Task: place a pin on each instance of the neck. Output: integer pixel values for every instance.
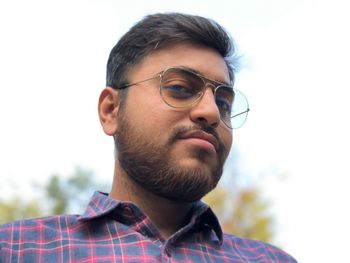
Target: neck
(168, 216)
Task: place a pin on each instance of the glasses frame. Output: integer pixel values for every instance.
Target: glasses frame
(205, 80)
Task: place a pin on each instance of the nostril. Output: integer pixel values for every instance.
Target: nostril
(204, 122)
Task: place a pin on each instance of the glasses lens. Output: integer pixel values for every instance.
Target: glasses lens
(224, 96)
(180, 88)
(239, 110)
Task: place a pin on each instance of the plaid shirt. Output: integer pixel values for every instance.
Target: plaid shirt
(115, 231)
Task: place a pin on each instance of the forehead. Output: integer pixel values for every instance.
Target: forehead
(206, 61)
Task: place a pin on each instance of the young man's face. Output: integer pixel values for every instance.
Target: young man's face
(176, 153)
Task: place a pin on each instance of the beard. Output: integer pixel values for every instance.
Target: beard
(153, 166)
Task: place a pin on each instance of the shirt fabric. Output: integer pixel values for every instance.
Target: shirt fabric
(116, 231)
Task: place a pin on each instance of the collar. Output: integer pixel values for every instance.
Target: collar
(101, 205)
(206, 216)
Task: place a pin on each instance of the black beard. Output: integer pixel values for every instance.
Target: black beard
(150, 165)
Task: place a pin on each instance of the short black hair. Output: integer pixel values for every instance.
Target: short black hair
(158, 30)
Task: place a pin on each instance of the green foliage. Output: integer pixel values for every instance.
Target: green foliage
(61, 194)
(57, 193)
(248, 216)
(242, 210)
(17, 208)
(72, 193)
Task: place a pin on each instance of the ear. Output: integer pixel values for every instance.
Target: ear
(108, 106)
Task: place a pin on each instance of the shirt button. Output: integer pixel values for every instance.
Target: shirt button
(128, 211)
(168, 252)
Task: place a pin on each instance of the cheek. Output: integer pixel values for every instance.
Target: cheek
(162, 114)
(155, 122)
(226, 137)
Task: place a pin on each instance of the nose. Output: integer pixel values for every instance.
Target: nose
(206, 111)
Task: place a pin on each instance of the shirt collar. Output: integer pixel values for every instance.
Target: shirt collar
(101, 204)
(207, 217)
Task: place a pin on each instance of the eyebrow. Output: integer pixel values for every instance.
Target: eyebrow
(202, 75)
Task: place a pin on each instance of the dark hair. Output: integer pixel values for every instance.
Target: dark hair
(156, 31)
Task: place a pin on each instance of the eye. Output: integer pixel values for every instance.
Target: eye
(224, 99)
(223, 104)
(180, 85)
(178, 91)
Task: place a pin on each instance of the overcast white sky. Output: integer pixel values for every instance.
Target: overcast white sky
(295, 74)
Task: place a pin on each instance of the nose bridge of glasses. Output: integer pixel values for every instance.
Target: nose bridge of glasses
(206, 83)
(211, 89)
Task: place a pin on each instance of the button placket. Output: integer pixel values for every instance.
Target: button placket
(168, 251)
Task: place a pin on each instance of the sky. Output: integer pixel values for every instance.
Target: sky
(295, 73)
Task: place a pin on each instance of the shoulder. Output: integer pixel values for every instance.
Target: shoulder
(250, 249)
(33, 240)
(35, 230)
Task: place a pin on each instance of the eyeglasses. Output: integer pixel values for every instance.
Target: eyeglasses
(181, 87)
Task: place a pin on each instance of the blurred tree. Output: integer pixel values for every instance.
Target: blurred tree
(72, 193)
(240, 204)
(248, 212)
(57, 194)
(60, 195)
(16, 208)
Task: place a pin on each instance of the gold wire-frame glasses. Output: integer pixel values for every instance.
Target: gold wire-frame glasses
(181, 87)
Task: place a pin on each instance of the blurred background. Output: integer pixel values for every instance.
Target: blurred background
(287, 177)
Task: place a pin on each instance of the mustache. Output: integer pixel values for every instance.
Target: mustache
(179, 131)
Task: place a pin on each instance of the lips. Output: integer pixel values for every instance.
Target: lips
(202, 136)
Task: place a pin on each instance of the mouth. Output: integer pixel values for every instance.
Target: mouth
(201, 139)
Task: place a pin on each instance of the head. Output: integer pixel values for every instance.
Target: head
(157, 31)
(176, 153)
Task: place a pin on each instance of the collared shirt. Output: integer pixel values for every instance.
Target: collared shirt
(116, 231)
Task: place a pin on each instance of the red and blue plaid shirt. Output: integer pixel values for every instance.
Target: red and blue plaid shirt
(115, 231)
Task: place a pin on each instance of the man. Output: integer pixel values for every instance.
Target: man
(170, 106)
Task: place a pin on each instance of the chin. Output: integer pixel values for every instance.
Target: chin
(201, 161)
(190, 183)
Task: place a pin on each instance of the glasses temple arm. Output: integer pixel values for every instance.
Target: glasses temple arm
(240, 113)
(135, 83)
